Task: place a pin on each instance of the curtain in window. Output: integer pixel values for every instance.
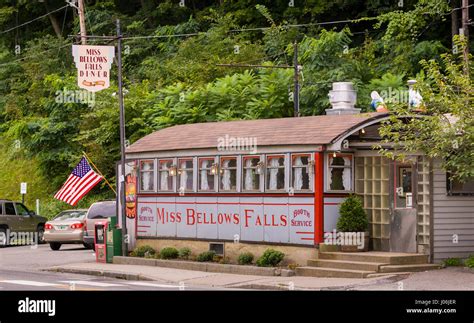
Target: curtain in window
(346, 174)
(249, 175)
(146, 176)
(273, 174)
(204, 183)
(226, 176)
(298, 174)
(164, 177)
(184, 176)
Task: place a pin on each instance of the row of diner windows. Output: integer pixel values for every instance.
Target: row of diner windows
(248, 173)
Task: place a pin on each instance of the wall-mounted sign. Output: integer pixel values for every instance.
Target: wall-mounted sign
(282, 219)
(93, 65)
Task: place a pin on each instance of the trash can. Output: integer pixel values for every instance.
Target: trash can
(114, 240)
(100, 232)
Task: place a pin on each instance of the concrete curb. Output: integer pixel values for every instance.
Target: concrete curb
(204, 266)
(102, 273)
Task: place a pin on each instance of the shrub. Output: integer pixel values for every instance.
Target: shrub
(352, 216)
(245, 258)
(184, 253)
(206, 256)
(169, 253)
(270, 258)
(143, 251)
(450, 262)
(218, 258)
(469, 261)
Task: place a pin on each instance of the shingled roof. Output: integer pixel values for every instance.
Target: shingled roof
(315, 130)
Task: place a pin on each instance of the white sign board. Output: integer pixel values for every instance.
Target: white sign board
(93, 65)
(263, 219)
(23, 188)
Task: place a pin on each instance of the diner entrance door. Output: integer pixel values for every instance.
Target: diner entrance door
(403, 210)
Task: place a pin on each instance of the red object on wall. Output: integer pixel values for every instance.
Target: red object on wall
(318, 197)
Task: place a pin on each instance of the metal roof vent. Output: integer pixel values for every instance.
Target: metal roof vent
(343, 98)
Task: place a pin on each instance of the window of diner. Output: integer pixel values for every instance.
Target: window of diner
(185, 174)
(275, 173)
(339, 172)
(302, 172)
(253, 168)
(228, 174)
(165, 177)
(147, 172)
(207, 174)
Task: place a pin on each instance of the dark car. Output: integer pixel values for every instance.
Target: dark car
(15, 218)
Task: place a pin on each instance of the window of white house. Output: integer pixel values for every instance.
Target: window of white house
(206, 176)
(339, 172)
(165, 180)
(147, 169)
(456, 187)
(228, 174)
(185, 174)
(302, 175)
(251, 174)
(275, 173)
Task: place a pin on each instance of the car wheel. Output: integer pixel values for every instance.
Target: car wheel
(40, 234)
(3, 237)
(54, 245)
(88, 246)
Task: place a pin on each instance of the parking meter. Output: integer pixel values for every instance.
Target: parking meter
(100, 238)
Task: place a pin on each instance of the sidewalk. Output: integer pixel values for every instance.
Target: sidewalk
(221, 280)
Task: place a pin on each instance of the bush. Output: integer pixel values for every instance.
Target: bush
(184, 253)
(143, 251)
(245, 258)
(352, 216)
(450, 262)
(469, 261)
(206, 256)
(169, 253)
(270, 258)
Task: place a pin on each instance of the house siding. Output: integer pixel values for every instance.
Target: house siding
(452, 215)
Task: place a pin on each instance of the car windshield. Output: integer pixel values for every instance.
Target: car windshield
(70, 215)
(106, 210)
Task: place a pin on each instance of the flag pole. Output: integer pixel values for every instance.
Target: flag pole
(98, 171)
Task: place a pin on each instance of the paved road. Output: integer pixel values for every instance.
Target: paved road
(21, 269)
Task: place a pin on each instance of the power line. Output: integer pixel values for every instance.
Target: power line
(33, 20)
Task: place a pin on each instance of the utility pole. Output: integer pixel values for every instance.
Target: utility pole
(465, 29)
(296, 92)
(82, 21)
(121, 179)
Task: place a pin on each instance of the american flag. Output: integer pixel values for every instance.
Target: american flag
(79, 183)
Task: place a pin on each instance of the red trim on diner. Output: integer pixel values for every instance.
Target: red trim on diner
(318, 197)
(257, 194)
(228, 203)
(306, 238)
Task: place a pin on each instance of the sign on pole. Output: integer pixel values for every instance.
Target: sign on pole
(93, 65)
(23, 188)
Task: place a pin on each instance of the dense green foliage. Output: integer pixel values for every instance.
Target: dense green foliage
(143, 251)
(169, 253)
(245, 258)
(206, 256)
(352, 215)
(174, 80)
(270, 258)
